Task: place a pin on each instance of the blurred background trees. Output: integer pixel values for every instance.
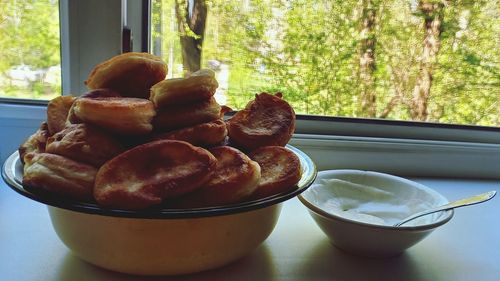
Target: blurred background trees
(424, 60)
(29, 49)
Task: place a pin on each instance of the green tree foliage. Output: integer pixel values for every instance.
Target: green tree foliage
(236, 37)
(467, 80)
(309, 67)
(309, 50)
(29, 36)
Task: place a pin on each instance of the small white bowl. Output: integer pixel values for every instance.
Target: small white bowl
(356, 210)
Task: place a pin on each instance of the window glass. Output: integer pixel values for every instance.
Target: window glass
(30, 64)
(432, 61)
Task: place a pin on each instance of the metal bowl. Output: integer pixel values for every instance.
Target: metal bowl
(161, 241)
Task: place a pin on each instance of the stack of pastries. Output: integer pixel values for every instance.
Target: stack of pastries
(137, 140)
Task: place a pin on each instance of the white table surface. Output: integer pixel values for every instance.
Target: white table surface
(466, 248)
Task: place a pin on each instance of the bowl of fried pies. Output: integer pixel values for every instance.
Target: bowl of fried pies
(151, 176)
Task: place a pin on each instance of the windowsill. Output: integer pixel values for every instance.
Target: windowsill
(405, 157)
(453, 252)
(466, 248)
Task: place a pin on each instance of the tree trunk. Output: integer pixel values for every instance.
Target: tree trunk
(367, 59)
(433, 15)
(191, 21)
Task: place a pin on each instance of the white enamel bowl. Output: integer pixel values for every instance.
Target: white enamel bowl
(359, 236)
(161, 241)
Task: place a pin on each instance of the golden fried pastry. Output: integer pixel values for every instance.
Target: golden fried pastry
(127, 116)
(201, 85)
(71, 118)
(147, 174)
(175, 117)
(97, 93)
(267, 120)
(224, 109)
(35, 143)
(101, 93)
(57, 113)
(130, 74)
(204, 134)
(84, 143)
(280, 170)
(235, 178)
(59, 175)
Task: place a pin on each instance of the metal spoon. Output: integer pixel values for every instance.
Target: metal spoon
(452, 205)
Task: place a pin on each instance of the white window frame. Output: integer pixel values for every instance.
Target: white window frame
(91, 31)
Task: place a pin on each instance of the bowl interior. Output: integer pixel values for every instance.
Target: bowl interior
(12, 173)
(373, 199)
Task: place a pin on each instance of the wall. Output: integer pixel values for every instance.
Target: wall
(16, 124)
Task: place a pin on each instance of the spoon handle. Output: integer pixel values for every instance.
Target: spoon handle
(452, 205)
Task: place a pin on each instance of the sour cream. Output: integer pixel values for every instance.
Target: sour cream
(381, 205)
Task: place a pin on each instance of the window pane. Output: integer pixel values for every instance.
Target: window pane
(433, 61)
(30, 65)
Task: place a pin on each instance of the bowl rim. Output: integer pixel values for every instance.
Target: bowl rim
(422, 227)
(12, 175)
